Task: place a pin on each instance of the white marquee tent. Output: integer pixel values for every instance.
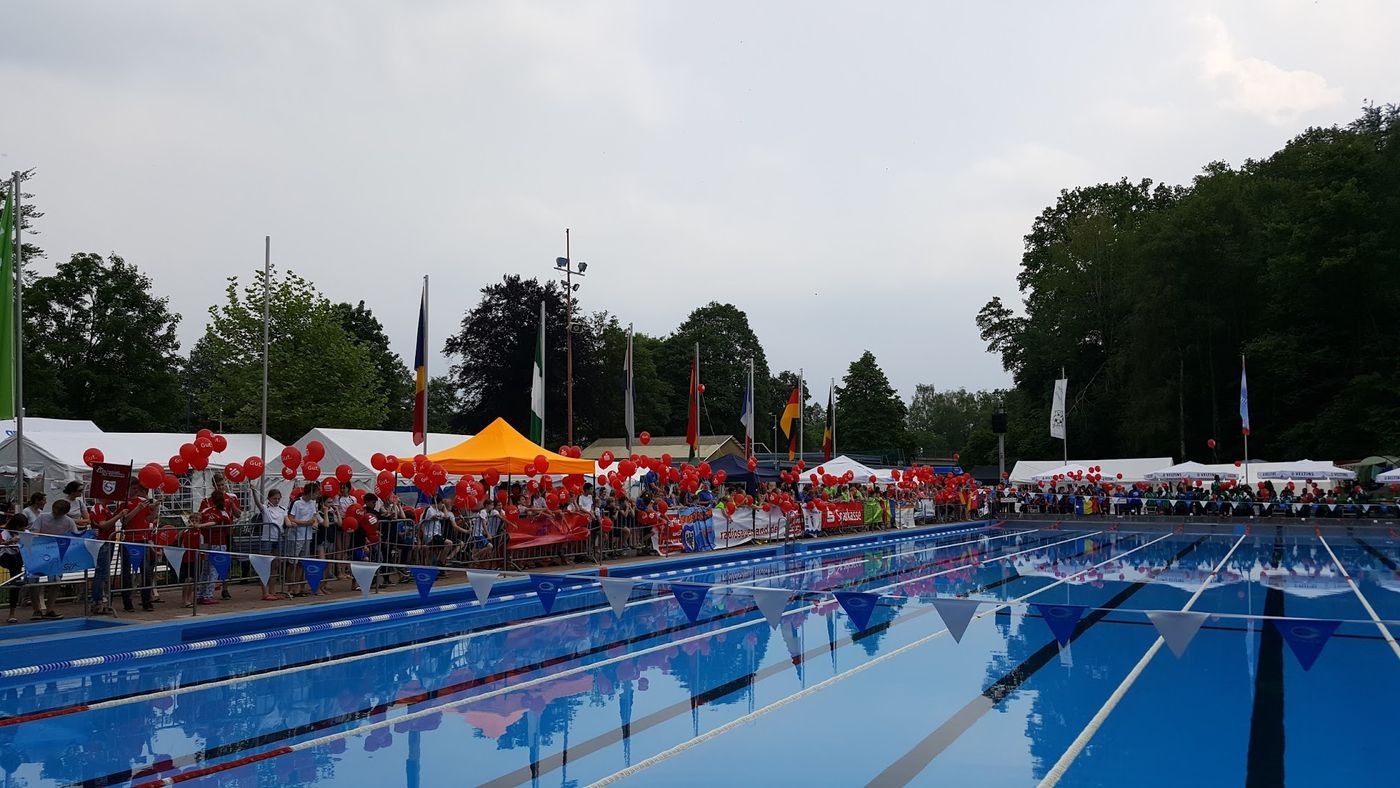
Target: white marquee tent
(1190, 471)
(34, 424)
(355, 447)
(1306, 470)
(837, 466)
(1134, 469)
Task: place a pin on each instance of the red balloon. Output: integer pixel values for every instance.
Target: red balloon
(645, 437)
(220, 442)
(204, 433)
(291, 456)
(311, 470)
(188, 452)
(200, 462)
(315, 450)
(406, 469)
(204, 445)
(234, 472)
(666, 459)
(343, 472)
(376, 461)
(1210, 443)
(179, 465)
(605, 460)
(1237, 463)
(253, 467)
(700, 388)
(151, 476)
(1120, 476)
(753, 464)
(289, 472)
(541, 463)
(386, 478)
(169, 484)
(92, 456)
(349, 522)
(391, 463)
(329, 487)
(720, 476)
(661, 507)
(605, 524)
(552, 500)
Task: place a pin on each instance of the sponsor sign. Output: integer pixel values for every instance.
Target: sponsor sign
(109, 481)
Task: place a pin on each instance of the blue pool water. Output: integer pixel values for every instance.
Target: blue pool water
(507, 695)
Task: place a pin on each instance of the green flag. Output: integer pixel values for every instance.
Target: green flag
(7, 309)
(537, 388)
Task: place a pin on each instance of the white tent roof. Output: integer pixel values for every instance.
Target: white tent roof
(1188, 471)
(1305, 470)
(1389, 477)
(1134, 469)
(355, 447)
(1066, 471)
(837, 466)
(65, 449)
(33, 424)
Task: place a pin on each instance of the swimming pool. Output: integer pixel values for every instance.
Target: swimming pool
(510, 695)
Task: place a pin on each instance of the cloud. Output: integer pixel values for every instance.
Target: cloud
(1258, 87)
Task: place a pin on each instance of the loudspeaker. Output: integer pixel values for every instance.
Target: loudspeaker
(999, 423)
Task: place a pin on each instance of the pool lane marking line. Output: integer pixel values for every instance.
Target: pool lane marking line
(753, 715)
(1370, 611)
(440, 707)
(174, 691)
(380, 618)
(1052, 777)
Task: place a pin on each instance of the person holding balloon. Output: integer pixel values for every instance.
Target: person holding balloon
(216, 514)
(137, 528)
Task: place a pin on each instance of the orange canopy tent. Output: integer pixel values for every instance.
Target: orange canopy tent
(501, 448)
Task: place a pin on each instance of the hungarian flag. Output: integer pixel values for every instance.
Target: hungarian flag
(420, 373)
(692, 424)
(537, 388)
(792, 414)
(829, 434)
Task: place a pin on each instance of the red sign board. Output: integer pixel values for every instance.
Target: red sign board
(109, 481)
(843, 514)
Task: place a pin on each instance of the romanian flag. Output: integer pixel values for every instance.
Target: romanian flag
(420, 373)
(692, 424)
(791, 414)
(829, 434)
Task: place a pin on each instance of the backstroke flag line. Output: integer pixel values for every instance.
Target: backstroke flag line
(420, 373)
(746, 413)
(629, 417)
(790, 415)
(537, 388)
(7, 309)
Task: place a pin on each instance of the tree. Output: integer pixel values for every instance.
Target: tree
(654, 401)
(726, 342)
(100, 345)
(495, 352)
(870, 415)
(943, 423)
(395, 382)
(443, 405)
(319, 376)
(27, 214)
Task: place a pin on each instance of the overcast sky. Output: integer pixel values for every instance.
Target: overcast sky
(853, 175)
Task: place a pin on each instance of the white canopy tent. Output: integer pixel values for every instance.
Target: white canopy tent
(837, 466)
(1389, 477)
(1134, 469)
(1306, 470)
(34, 424)
(1190, 471)
(1062, 472)
(356, 447)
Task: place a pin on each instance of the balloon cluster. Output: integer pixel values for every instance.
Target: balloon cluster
(193, 455)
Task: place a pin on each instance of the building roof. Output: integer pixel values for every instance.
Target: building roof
(711, 446)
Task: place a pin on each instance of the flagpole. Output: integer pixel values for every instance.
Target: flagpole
(629, 414)
(267, 300)
(1065, 440)
(801, 414)
(425, 364)
(1245, 430)
(748, 428)
(831, 405)
(19, 342)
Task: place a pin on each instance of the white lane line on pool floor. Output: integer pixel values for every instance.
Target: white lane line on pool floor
(456, 703)
(1057, 771)
(1370, 611)
(753, 715)
(174, 691)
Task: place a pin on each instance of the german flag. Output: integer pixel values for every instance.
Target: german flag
(791, 414)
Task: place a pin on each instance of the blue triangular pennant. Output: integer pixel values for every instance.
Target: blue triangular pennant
(691, 597)
(40, 555)
(221, 562)
(859, 605)
(76, 559)
(63, 547)
(1061, 619)
(136, 556)
(1306, 636)
(424, 579)
(546, 588)
(315, 569)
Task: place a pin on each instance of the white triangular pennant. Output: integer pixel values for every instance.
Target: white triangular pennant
(956, 614)
(262, 564)
(771, 602)
(363, 573)
(94, 546)
(176, 557)
(481, 584)
(617, 590)
(1177, 627)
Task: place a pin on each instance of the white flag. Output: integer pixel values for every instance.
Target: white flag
(1057, 410)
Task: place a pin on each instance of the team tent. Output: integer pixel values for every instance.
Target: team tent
(736, 471)
(1191, 471)
(37, 424)
(1389, 477)
(356, 447)
(837, 466)
(1307, 470)
(1134, 469)
(501, 448)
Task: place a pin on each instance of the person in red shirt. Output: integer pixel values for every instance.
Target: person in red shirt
(216, 516)
(138, 528)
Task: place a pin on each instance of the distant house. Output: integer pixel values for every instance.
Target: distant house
(711, 447)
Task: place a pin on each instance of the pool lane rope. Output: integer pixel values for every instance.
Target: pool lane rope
(1370, 611)
(256, 637)
(1052, 777)
(455, 703)
(838, 678)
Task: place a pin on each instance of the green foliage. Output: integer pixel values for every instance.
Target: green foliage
(869, 414)
(99, 345)
(654, 402)
(942, 423)
(443, 405)
(319, 374)
(394, 380)
(727, 342)
(1148, 297)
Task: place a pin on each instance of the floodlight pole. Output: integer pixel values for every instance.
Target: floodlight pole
(566, 263)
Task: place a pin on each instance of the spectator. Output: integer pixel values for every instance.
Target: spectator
(37, 503)
(138, 528)
(56, 522)
(104, 526)
(274, 523)
(10, 558)
(218, 522)
(78, 507)
(301, 522)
